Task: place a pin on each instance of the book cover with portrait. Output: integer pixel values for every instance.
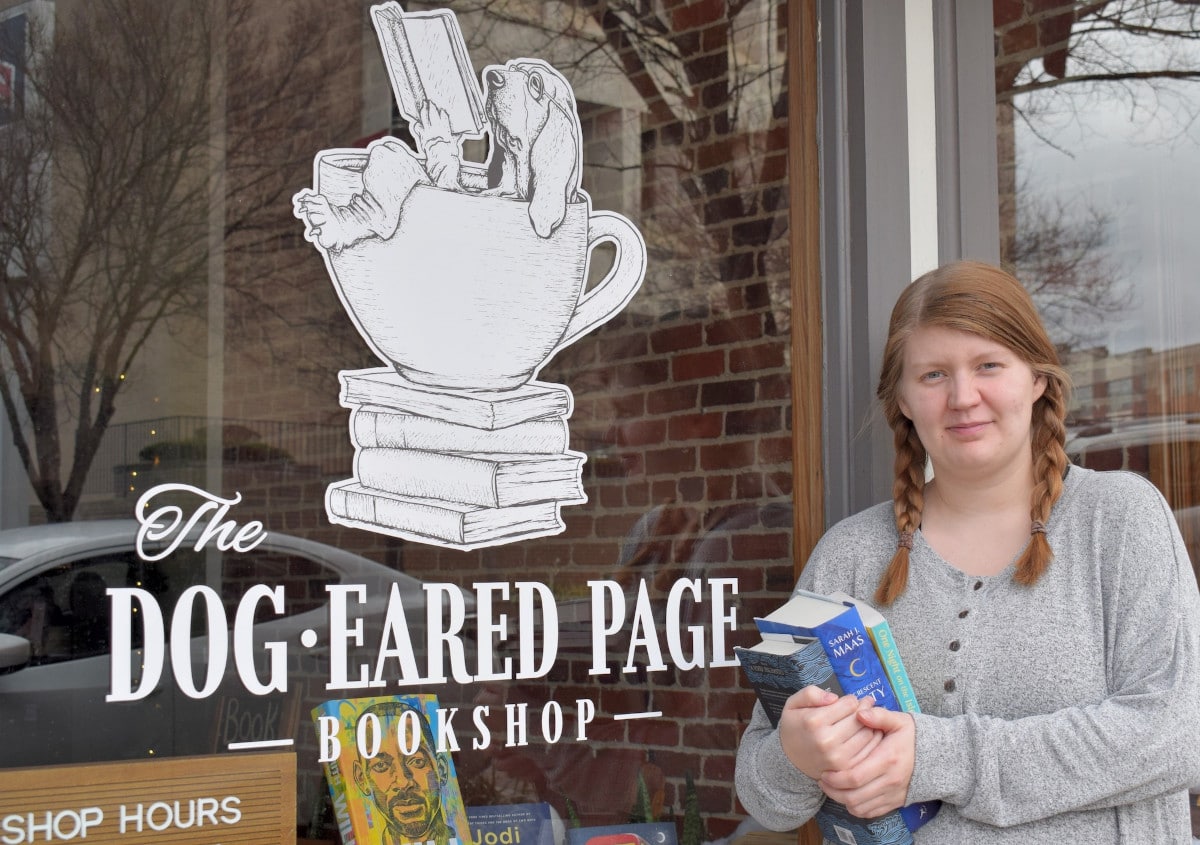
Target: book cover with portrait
(402, 791)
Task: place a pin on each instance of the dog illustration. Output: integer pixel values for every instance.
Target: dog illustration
(533, 121)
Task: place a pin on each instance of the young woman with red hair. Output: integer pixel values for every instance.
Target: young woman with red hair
(1047, 614)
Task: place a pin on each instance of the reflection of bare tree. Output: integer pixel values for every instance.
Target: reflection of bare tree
(1064, 53)
(685, 127)
(110, 176)
(1061, 253)
(1055, 59)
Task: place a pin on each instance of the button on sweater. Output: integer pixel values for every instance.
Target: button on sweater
(1068, 711)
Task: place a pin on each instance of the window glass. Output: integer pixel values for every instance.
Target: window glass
(1099, 156)
(170, 332)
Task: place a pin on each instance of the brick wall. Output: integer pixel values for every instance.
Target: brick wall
(682, 402)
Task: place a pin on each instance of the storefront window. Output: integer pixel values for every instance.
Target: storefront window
(1098, 151)
(172, 340)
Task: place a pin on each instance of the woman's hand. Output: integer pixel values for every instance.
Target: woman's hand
(878, 783)
(820, 732)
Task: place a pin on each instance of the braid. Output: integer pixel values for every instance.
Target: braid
(908, 500)
(1049, 464)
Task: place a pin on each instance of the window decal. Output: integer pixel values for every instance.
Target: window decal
(465, 279)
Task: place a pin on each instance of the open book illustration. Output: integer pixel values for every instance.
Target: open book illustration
(464, 278)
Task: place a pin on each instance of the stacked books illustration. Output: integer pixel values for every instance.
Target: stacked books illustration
(453, 468)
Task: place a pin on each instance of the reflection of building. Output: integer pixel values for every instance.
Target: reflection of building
(1134, 384)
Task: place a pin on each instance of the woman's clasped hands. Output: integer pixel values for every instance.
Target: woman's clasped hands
(861, 755)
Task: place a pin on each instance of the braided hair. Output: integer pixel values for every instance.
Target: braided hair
(986, 301)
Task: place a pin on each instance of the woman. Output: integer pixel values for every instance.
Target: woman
(1047, 614)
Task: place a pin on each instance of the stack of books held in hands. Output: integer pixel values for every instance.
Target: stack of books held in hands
(454, 468)
(845, 646)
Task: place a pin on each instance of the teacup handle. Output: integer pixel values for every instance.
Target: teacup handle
(605, 300)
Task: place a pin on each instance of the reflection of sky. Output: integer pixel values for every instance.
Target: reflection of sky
(1144, 169)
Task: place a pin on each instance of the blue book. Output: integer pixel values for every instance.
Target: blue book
(512, 824)
(847, 640)
(889, 654)
(777, 670)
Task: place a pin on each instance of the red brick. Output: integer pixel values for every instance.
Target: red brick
(691, 489)
(779, 483)
(715, 38)
(727, 455)
(764, 356)
(696, 14)
(698, 365)
(641, 373)
(1005, 12)
(717, 154)
(641, 432)
(775, 450)
(762, 547)
(1019, 39)
(775, 386)
(718, 735)
(775, 169)
(718, 767)
(716, 799)
(734, 330)
(752, 421)
(727, 393)
(671, 461)
(750, 581)
(662, 491)
(672, 399)
(749, 485)
(703, 426)
(720, 487)
(676, 338)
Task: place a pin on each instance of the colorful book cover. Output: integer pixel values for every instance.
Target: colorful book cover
(847, 641)
(837, 825)
(889, 654)
(845, 638)
(778, 670)
(406, 792)
(512, 824)
(645, 833)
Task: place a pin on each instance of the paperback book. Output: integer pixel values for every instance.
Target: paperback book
(513, 824)
(778, 670)
(848, 646)
(639, 833)
(370, 808)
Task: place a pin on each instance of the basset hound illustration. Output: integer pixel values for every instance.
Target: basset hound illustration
(534, 124)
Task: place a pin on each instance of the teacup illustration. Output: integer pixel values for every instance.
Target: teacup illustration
(465, 294)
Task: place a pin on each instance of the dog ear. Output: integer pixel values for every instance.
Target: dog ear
(554, 169)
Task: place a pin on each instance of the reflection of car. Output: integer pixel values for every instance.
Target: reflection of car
(55, 660)
(1164, 449)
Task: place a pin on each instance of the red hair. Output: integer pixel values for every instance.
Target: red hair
(983, 300)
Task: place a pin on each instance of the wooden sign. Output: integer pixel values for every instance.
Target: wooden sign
(226, 798)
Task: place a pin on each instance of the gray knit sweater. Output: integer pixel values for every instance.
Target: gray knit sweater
(1066, 712)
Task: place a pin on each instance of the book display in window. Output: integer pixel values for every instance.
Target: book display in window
(407, 791)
